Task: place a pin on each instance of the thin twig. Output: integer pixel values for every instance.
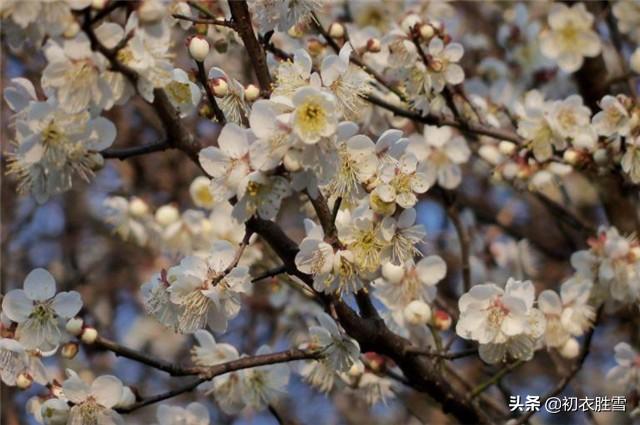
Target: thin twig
(445, 355)
(495, 378)
(208, 21)
(269, 273)
(463, 238)
(124, 153)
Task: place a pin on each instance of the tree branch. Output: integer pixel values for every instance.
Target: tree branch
(124, 153)
(242, 21)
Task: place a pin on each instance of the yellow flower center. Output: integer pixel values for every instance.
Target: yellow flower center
(311, 116)
(179, 91)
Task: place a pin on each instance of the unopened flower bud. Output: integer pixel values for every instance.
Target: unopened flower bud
(251, 93)
(356, 370)
(198, 48)
(570, 349)
(427, 31)
(634, 61)
(69, 350)
(374, 45)
(24, 380)
(95, 161)
(392, 272)
(315, 47)
(292, 160)
(417, 313)
(74, 326)
(570, 156)
(600, 156)
(219, 86)
(375, 361)
(72, 29)
(137, 207)
(89, 335)
(98, 4)
(336, 30)
(167, 214)
(635, 252)
(296, 31)
(441, 320)
(507, 148)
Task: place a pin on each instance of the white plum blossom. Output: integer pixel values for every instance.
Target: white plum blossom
(263, 194)
(128, 218)
(293, 74)
(442, 154)
(627, 372)
(314, 115)
(52, 146)
(93, 403)
(401, 182)
(205, 291)
(613, 118)
(15, 360)
(357, 165)
(570, 37)
(76, 75)
(630, 161)
(228, 165)
(346, 81)
(503, 321)
(627, 14)
(273, 135)
(402, 234)
(443, 65)
(225, 388)
(315, 255)
(339, 351)
(262, 385)
(38, 310)
(193, 414)
(402, 284)
(568, 314)
(183, 94)
(612, 264)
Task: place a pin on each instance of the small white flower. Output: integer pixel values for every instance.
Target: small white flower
(292, 75)
(363, 236)
(273, 135)
(346, 81)
(194, 414)
(568, 117)
(183, 94)
(226, 388)
(200, 191)
(314, 116)
(37, 310)
(402, 235)
(357, 165)
(570, 37)
(55, 411)
(93, 403)
(627, 372)
(262, 194)
(400, 285)
(53, 146)
(16, 361)
(315, 255)
(204, 292)
(630, 161)
(262, 385)
(228, 164)
(126, 221)
(613, 119)
(339, 350)
(627, 14)
(443, 68)
(442, 154)
(401, 182)
(503, 321)
(568, 314)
